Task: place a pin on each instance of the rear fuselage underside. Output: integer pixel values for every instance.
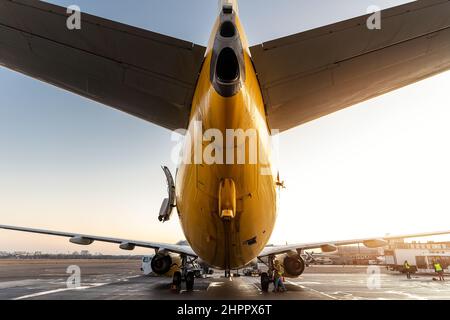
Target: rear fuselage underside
(227, 242)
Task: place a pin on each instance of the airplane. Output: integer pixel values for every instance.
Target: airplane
(227, 211)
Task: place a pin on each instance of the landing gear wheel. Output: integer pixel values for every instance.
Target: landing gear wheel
(176, 283)
(265, 281)
(190, 281)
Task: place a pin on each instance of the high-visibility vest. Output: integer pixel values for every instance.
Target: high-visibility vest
(407, 266)
(437, 267)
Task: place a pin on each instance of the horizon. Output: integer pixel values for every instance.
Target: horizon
(74, 165)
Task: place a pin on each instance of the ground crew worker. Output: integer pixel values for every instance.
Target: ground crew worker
(407, 269)
(278, 277)
(439, 270)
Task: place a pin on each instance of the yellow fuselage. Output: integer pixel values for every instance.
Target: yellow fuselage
(234, 242)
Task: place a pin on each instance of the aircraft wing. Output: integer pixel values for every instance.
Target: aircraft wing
(124, 244)
(331, 246)
(143, 73)
(314, 73)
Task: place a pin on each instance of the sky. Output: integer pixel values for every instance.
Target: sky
(70, 164)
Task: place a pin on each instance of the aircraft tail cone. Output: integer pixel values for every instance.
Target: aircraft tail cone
(229, 3)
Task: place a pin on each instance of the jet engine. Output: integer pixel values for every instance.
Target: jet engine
(293, 263)
(165, 263)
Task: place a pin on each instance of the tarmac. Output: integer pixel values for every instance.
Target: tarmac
(122, 280)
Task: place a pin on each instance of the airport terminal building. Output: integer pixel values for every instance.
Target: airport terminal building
(420, 255)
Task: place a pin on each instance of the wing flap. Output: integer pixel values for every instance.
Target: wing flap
(314, 73)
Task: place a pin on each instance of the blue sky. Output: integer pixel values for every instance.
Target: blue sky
(71, 164)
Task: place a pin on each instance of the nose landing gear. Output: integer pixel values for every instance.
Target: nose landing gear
(176, 281)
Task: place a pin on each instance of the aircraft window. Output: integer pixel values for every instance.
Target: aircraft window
(227, 68)
(227, 30)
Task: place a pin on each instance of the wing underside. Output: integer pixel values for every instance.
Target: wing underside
(124, 244)
(143, 73)
(317, 72)
(331, 246)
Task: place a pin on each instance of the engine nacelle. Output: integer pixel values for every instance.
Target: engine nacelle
(293, 263)
(165, 264)
(161, 263)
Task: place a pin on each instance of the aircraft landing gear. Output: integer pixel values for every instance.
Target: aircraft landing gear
(190, 278)
(265, 281)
